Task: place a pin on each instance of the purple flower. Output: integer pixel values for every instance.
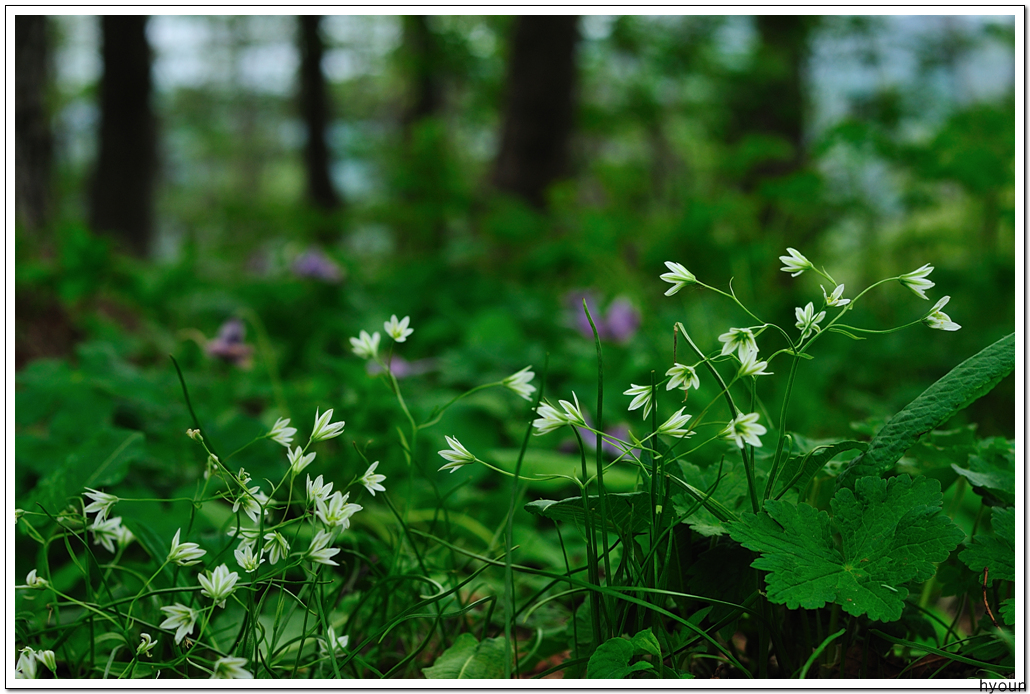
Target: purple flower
(402, 368)
(622, 320)
(619, 323)
(315, 264)
(229, 345)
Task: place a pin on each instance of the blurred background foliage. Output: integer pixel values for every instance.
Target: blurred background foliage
(311, 176)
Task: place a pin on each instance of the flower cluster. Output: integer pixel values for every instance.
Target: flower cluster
(107, 532)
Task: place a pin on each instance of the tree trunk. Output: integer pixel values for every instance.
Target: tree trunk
(33, 144)
(540, 110)
(421, 60)
(314, 106)
(123, 186)
(770, 98)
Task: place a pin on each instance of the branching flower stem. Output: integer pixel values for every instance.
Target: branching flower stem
(733, 413)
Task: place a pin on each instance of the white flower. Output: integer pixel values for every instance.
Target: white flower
(744, 429)
(320, 551)
(317, 491)
(750, 366)
(122, 535)
(335, 643)
(298, 461)
(252, 502)
(282, 433)
(740, 339)
(398, 330)
(371, 481)
(35, 582)
(795, 263)
(245, 557)
(678, 276)
(323, 430)
(808, 319)
(194, 434)
(680, 375)
(48, 658)
(551, 419)
(220, 585)
(938, 319)
(109, 532)
(186, 553)
(457, 456)
(25, 668)
(229, 668)
(674, 426)
(336, 512)
(180, 618)
(101, 505)
(834, 299)
(146, 644)
(641, 397)
(917, 282)
(276, 546)
(365, 346)
(518, 382)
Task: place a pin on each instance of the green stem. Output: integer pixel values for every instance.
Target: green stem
(598, 448)
(782, 434)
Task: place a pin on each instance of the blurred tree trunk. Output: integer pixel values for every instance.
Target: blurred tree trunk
(421, 62)
(33, 144)
(770, 99)
(314, 106)
(123, 185)
(540, 110)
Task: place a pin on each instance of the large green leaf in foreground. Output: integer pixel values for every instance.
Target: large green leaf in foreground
(967, 382)
(892, 532)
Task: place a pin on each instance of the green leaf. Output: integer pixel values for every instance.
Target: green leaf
(1008, 611)
(798, 471)
(101, 461)
(647, 642)
(998, 551)
(970, 380)
(467, 659)
(892, 532)
(729, 496)
(611, 660)
(992, 470)
(626, 513)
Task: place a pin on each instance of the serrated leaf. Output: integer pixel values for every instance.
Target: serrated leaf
(892, 532)
(997, 551)
(992, 469)
(1008, 611)
(970, 380)
(467, 658)
(626, 513)
(611, 660)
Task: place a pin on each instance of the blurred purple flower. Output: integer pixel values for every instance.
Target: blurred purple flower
(402, 368)
(315, 264)
(229, 345)
(622, 320)
(618, 324)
